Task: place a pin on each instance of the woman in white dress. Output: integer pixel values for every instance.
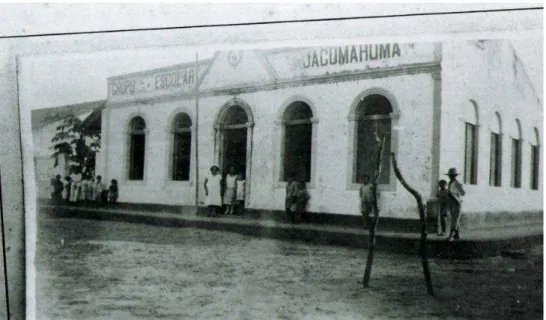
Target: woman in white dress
(231, 187)
(213, 187)
(75, 188)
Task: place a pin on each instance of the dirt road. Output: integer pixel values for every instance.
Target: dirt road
(114, 270)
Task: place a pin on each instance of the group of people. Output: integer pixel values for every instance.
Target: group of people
(449, 196)
(80, 188)
(226, 193)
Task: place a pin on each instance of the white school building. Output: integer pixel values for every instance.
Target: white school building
(314, 112)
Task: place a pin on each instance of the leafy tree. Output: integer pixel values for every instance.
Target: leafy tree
(78, 142)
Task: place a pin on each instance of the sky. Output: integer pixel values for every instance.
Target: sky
(83, 77)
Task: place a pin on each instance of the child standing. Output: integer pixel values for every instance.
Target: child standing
(302, 198)
(113, 192)
(442, 196)
(58, 188)
(83, 189)
(291, 189)
(240, 198)
(90, 194)
(68, 186)
(231, 186)
(100, 193)
(366, 197)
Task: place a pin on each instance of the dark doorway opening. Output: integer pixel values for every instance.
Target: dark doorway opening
(234, 150)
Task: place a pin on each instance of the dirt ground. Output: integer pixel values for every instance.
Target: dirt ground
(115, 270)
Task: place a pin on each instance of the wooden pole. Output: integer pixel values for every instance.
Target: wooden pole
(422, 217)
(196, 132)
(375, 219)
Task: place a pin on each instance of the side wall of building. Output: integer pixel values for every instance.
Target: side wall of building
(480, 80)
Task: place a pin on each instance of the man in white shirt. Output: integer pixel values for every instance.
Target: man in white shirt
(455, 193)
(99, 190)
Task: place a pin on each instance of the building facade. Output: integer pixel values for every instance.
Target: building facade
(314, 113)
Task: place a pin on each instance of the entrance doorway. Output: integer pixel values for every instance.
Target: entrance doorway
(234, 136)
(234, 155)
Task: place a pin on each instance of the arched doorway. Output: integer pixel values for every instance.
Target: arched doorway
(234, 136)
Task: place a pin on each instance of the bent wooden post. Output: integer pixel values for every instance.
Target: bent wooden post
(422, 217)
(375, 219)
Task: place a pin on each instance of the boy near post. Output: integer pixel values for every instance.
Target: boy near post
(442, 196)
(366, 198)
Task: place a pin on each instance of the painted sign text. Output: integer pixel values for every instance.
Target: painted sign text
(320, 57)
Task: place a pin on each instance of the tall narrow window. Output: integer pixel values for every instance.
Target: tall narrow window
(516, 163)
(374, 121)
(516, 155)
(470, 172)
(137, 148)
(495, 163)
(471, 118)
(298, 141)
(181, 147)
(535, 160)
(495, 156)
(534, 167)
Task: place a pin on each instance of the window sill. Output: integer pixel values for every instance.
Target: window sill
(380, 187)
(308, 185)
(134, 182)
(179, 183)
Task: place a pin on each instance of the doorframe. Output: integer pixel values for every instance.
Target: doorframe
(219, 136)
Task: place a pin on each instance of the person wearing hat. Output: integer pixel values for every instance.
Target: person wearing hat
(455, 193)
(213, 191)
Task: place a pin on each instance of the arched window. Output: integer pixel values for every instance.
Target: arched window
(535, 159)
(495, 156)
(298, 141)
(373, 114)
(181, 130)
(516, 154)
(471, 143)
(137, 148)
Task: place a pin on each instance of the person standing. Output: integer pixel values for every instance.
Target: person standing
(68, 188)
(84, 187)
(90, 190)
(213, 191)
(113, 192)
(76, 178)
(58, 188)
(455, 193)
(240, 198)
(443, 197)
(230, 183)
(366, 197)
(291, 189)
(302, 198)
(100, 189)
